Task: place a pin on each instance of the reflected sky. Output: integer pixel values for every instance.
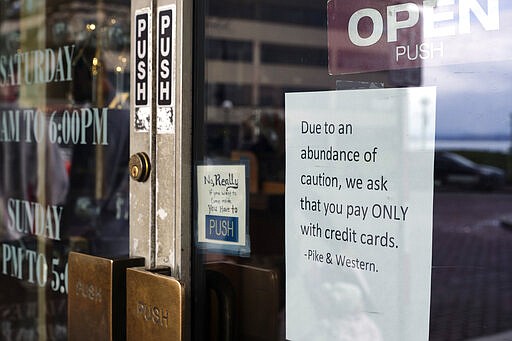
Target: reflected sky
(473, 99)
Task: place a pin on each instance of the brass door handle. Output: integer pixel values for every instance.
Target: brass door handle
(97, 297)
(225, 293)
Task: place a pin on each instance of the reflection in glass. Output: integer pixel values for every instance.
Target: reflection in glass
(469, 65)
(64, 138)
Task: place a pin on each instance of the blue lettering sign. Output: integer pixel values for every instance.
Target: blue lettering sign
(222, 228)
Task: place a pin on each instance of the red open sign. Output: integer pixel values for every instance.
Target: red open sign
(374, 35)
(364, 35)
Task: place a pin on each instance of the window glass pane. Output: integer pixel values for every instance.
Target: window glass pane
(279, 54)
(64, 142)
(461, 48)
(299, 13)
(229, 50)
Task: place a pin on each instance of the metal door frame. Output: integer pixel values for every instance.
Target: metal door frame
(161, 207)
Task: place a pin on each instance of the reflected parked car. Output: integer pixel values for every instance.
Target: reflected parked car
(451, 169)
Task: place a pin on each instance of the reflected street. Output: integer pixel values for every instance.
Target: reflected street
(471, 277)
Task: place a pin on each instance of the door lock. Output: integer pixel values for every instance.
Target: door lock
(140, 167)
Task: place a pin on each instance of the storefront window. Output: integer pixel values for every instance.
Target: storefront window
(64, 150)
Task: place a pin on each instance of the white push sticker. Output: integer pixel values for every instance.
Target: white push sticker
(359, 193)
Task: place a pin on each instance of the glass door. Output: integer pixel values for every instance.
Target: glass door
(64, 113)
(250, 55)
(206, 91)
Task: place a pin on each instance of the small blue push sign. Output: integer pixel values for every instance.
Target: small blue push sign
(222, 198)
(222, 228)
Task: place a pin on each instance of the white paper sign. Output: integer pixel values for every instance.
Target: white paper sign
(359, 191)
(222, 204)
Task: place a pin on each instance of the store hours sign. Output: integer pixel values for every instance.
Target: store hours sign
(359, 191)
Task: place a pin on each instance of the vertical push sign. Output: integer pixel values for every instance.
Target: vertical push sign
(142, 69)
(165, 68)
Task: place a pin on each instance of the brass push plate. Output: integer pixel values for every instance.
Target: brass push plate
(154, 306)
(96, 300)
